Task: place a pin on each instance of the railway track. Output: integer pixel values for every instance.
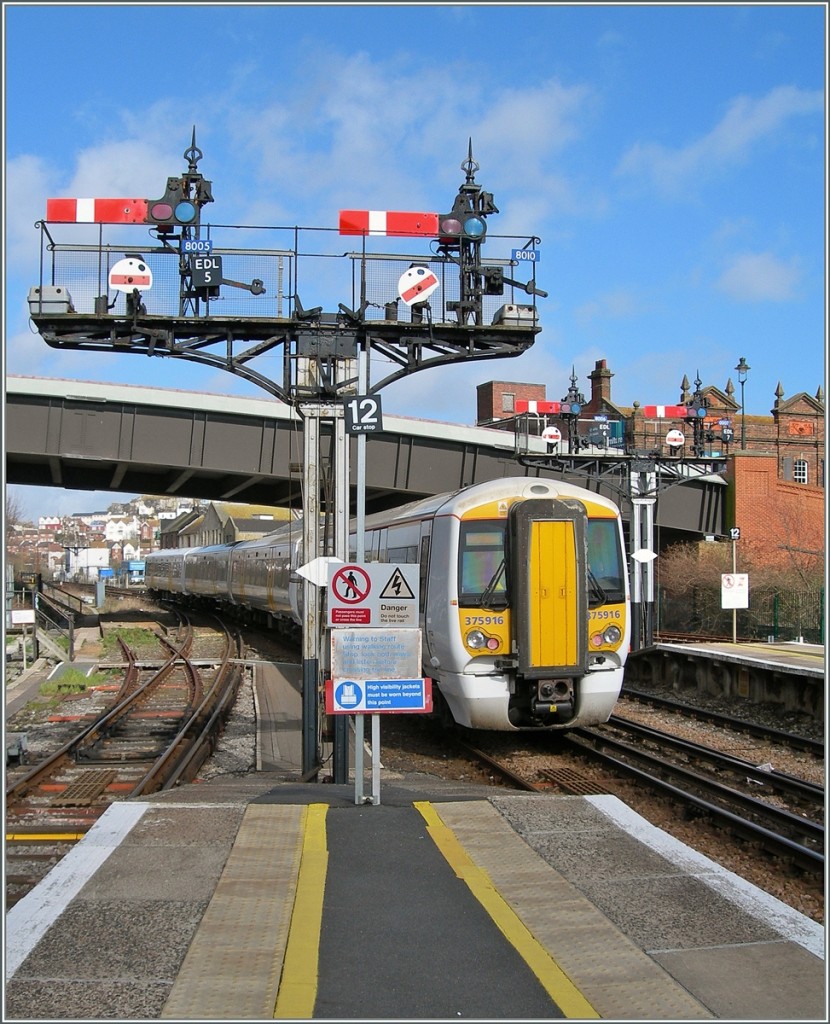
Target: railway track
(778, 831)
(660, 761)
(156, 733)
(732, 722)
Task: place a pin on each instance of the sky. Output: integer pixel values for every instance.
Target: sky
(669, 157)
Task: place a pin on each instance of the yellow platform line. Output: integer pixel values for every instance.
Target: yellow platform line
(552, 978)
(298, 984)
(44, 837)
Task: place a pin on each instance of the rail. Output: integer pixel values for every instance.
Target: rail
(805, 857)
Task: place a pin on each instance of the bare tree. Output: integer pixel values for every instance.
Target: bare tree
(13, 515)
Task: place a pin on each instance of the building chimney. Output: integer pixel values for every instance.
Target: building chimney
(600, 378)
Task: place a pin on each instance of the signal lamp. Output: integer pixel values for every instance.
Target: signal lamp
(461, 222)
(696, 411)
(173, 209)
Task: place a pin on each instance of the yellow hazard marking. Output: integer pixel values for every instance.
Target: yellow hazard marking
(44, 837)
(300, 972)
(552, 978)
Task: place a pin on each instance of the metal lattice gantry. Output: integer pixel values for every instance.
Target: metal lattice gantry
(192, 301)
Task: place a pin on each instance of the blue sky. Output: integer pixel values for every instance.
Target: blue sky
(671, 158)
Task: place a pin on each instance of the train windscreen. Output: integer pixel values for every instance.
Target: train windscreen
(605, 562)
(482, 575)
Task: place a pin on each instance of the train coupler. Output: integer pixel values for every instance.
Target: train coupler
(563, 710)
(554, 697)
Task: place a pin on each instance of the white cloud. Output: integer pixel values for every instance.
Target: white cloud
(746, 122)
(759, 277)
(617, 304)
(28, 181)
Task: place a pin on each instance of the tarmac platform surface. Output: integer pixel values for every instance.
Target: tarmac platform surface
(259, 897)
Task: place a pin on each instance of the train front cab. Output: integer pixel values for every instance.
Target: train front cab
(542, 610)
(568, 630)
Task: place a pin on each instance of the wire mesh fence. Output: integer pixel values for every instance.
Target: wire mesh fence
(776, 614)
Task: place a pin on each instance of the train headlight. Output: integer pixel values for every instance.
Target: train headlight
(612, 634)
(476, 640)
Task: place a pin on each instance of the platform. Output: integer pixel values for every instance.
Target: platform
(250, 900)
(789, 676)
(257, 896)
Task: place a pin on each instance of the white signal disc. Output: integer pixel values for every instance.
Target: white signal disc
(416, 284)
(130, 273)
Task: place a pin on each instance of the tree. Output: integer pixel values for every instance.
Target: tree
(785, 594)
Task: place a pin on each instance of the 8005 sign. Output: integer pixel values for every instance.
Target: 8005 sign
(191, 245)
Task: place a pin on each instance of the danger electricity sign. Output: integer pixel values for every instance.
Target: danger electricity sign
(372, 594)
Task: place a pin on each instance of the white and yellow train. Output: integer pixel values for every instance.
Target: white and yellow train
(524, 599)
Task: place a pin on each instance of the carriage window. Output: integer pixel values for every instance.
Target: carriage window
(480, 568)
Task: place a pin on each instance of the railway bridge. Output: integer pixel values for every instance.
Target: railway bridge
(81, 435)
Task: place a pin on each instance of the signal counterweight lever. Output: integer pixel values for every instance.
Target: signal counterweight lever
(256, 287)
(530, 287)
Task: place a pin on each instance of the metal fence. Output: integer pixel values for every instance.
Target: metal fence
(305, 264)
(772, 614)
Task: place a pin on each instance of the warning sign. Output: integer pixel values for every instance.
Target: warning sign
(373, 594)
(397, 588)
(734, 590)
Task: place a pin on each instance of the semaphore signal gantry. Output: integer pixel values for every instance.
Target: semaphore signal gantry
(184, 295)
(405, 311)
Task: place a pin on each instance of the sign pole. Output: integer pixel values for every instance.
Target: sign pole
(637, 569)
(734, 610)
(340, 754)
(375, 759)
(360, 549)
(311, 618)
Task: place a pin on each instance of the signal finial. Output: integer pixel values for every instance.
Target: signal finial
(469, 165)
(193, 155)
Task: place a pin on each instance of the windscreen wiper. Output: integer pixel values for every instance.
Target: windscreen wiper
(490, 589)
(599, 591)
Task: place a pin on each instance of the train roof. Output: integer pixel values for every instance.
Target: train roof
(466, 498)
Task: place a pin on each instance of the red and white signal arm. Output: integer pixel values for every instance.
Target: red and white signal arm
(130, 273)
(388, 222)
(675, 438)
(665, 412)
(553, 435)
(417, 284)
(97, 211)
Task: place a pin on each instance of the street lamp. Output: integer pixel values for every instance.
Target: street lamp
(743, 369)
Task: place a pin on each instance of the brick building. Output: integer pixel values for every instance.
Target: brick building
(781, 521)
(775, 464)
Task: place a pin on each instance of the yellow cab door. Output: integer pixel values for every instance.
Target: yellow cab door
(548, 586)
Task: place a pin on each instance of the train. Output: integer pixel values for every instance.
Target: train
(524, 603)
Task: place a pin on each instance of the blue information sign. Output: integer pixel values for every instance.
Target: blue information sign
(378, 696)
(526, 256)
(192, 245)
